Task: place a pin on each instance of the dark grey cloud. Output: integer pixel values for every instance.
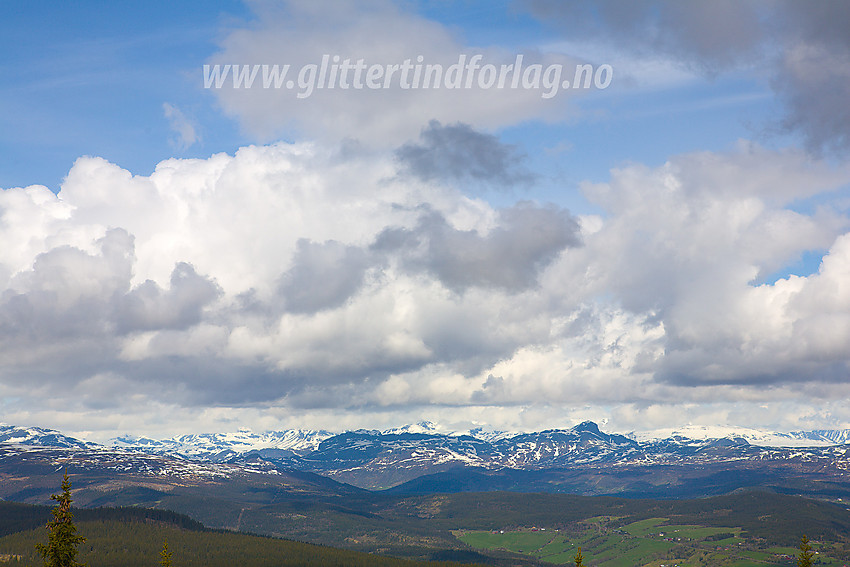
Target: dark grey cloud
(804, 46)
(55, 319)
(210, 380)
(494, 388)
(72, 293)
(711, 36)
(699, 366)
(149, 307)
(510, 256)
(68, 292)
(813, 76)
(458, 153)
(63, 320)
(824, 21)
(814, 82)
(323, 275)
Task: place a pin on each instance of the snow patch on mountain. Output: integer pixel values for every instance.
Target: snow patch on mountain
(700, 434)
(491, 436)
(38, 437)
(423, 427)
(837, 436)
(219, 446)
(431, 428)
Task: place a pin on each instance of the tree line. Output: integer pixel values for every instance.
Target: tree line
(142, 539)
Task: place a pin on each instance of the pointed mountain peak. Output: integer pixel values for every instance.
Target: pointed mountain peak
(588, 426)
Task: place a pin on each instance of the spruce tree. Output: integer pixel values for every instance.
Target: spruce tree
(166, 555)
(579, 559)
(806, 553)
(62, 538)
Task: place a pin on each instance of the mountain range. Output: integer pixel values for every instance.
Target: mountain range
(545, 460)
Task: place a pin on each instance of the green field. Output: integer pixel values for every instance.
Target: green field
(607, 543)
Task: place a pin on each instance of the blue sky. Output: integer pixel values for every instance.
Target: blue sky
(670, 249)
(95, 77)
(91, 78)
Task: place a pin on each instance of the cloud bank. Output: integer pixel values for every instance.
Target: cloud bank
(312, 278)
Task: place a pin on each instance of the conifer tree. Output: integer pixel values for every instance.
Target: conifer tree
(579, 559)
(62, 538)
(166, 555)
(806, 553)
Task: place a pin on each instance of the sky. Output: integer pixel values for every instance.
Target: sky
(662, 240)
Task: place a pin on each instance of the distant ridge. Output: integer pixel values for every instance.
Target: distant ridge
(221, 446)
(38, 437)
(375, 459)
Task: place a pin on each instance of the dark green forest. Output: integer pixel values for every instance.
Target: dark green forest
(128, 537)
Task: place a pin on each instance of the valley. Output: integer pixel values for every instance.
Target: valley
(611, 499)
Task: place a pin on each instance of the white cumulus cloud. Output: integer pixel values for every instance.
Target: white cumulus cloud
(320, 277)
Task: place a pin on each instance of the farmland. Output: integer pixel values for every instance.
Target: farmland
(607, 542)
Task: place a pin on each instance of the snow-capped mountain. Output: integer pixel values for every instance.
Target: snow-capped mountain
(582, 444)
(38, 437)
(383, 458)
(762, 438)
(487, 434)
(431, 428)
(837, 436)
(427, 441)
(424, 427)
(220, 447)
(376, 459)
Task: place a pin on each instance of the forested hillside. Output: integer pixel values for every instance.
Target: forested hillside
(128, 537)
